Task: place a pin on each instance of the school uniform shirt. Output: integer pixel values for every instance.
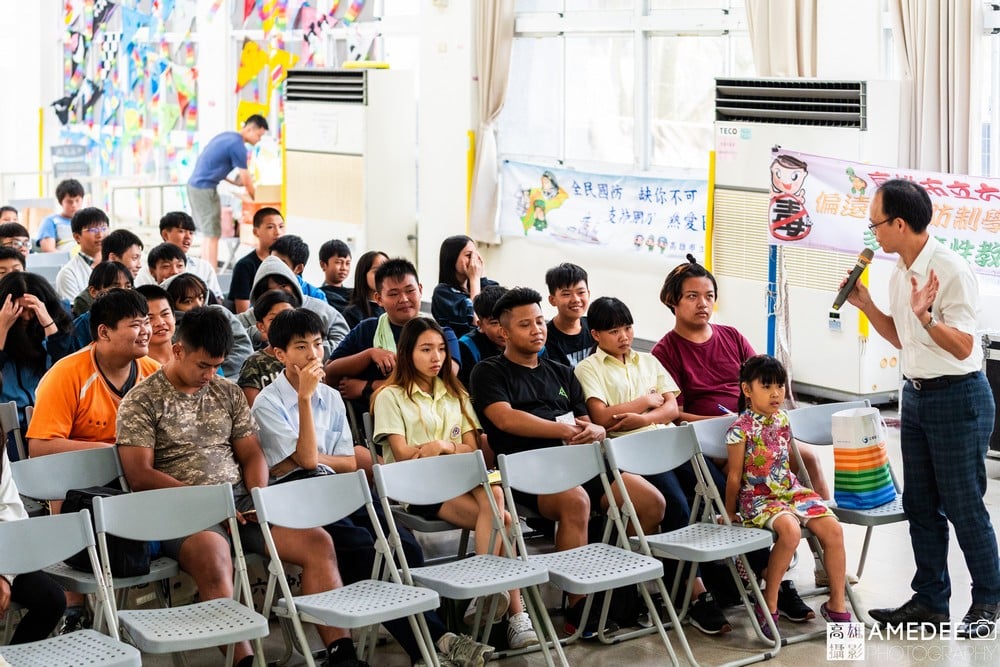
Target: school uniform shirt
(74, 276)
(606, 378)
(547, 391)
(569, 349)
(276, 411)
(421, 417)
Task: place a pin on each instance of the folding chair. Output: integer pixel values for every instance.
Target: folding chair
(591, 568)
(50, 477)
(320, 501)
(166, 514)
(414, 522)
(440, 478)
(701, 541)
(813, 424)
(11, 427)
(32, 544)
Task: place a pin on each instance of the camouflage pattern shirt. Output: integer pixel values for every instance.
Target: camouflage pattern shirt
(191, 434)
(259, 370)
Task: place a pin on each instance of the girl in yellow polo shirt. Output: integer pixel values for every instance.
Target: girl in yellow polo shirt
(423, 410)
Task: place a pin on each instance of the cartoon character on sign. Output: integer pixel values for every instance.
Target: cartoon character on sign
(789, 219)
(540, 201)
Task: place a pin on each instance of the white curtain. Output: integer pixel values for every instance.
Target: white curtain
(783, 37)
(937, 42)
(494, 38)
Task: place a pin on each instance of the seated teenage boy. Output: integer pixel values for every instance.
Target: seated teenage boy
(568, 340)
(105, 276)
(368, 354)
(165, 260)
(89, 226)
(335, 260)
(275, 274)
(304, 431)
(268, 227)
(123, 246)
(294, 252)
(177, 227)
(519, 397)
(11, 260)
(486, 340)
(187, 426)
(14, 235)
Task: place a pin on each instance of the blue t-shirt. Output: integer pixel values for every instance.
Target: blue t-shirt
(223, 153)
(58, 227)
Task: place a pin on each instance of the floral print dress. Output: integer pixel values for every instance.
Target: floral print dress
(769, 487)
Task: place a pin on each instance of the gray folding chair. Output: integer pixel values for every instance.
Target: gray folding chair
(167, 514)
(701, 541)
(433, 480)
(320, 501)
(50, 477)
(11, 427)
(32, 544)
(813, 424)
(414, 522)
(591, 568)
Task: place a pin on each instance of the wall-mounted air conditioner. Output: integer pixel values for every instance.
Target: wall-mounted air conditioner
(851, 120)
(350, 139)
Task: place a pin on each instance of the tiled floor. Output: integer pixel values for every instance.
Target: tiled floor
(885, 583)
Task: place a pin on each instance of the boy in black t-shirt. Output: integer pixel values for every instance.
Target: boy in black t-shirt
(569, 340)
(519, 396)
(485, 341)
(335, 260)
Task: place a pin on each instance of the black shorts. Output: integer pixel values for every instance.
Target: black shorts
(593, 488)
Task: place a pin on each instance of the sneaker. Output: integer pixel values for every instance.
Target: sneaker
(823, 579)
(791, 606)
(834, 616)
(761, 615)
(470, 612)
(574, 615)
(520, 632)
(465, 651)
(76, 619)
(980, 621)
(706, 615)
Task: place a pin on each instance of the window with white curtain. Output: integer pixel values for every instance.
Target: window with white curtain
(623, 85)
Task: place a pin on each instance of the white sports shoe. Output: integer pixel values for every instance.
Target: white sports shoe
(502, 605)
(520, 632)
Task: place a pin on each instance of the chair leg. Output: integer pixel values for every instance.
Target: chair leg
(657, 621)
(864, 551)
(675, 621)
(300, 634)
(536, 610)
(418, 624)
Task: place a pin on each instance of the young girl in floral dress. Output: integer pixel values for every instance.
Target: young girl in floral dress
(761, 490)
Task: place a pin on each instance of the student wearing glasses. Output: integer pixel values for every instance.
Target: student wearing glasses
(90, 226)
(14, 235)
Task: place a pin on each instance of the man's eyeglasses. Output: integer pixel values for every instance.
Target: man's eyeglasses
(14, 243)
(96, 230)
(873, 225)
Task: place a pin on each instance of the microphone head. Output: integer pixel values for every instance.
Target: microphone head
(867, 255)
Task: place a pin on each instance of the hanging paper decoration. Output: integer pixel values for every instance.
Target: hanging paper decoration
(108, 44)
(267, 15)
(353, 11)
(246, 108)
(279, 62)
(102, 12)
(252, 61)
(248, 6)
(166, 9)
(214, 9)
(131, 22)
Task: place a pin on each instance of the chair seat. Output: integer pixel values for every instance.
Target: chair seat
(363, 603)
(702, 542)
(598, 567)
(479, 575)
(891, 512)
(85, 647)
(419, 523)
(83, 582)
(194, 626)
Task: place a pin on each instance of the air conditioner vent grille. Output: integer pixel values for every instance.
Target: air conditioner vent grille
(792, 102)
(326, 85)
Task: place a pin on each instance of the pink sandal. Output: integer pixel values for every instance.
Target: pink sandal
(762, 620)
(834, 616)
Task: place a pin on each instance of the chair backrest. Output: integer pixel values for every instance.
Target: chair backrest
(50, 477)
(552, 469)
(711, 435)
(430, 480)
(35, 543)
(814, 423)
(11, 425)
(164, 514)
(652, 452)
(311, 502)
(37, 260)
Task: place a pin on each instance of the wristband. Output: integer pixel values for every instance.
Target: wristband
(46, 326)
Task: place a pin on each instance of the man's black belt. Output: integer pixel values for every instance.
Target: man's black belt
(930, 384)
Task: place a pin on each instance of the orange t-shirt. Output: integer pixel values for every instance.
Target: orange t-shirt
(73, 400)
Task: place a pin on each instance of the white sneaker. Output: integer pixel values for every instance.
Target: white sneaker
(502, 605)
(520, 632)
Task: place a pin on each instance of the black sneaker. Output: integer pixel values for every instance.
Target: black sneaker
(575, 613)
(980, 622)
(75, 620)
(706, 615)
(790, 605)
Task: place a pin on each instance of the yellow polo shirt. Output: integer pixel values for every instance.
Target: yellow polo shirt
(421, 417)
(606, 378)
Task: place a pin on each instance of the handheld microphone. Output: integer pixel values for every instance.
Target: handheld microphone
(864, 259)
